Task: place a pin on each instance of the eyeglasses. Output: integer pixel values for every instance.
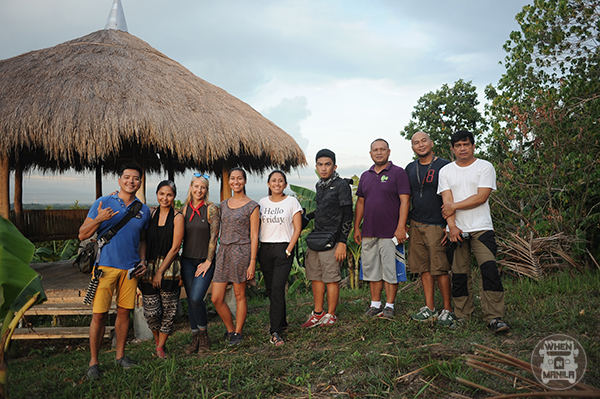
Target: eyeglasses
(202, 175)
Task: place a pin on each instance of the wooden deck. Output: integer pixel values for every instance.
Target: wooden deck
(57, 332)
(62, 283)
(65, 288)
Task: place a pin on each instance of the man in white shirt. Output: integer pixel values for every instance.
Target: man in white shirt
(465, 186)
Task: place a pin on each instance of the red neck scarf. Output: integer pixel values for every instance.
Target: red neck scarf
(196, 210)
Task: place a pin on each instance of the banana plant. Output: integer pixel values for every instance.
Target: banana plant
(20, 287)
(45, 254)
(307, 199)
(353, 249)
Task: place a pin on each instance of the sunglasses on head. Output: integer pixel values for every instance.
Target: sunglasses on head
(202, 175)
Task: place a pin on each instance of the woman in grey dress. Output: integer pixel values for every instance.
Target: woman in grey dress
(236, 257)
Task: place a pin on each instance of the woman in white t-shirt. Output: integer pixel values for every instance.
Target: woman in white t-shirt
(280, 227)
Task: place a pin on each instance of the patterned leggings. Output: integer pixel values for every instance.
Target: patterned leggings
(160, 310)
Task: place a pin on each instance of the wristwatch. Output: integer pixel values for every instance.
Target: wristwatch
(288, 253)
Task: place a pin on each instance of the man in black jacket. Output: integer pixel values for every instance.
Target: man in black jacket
(333, 215)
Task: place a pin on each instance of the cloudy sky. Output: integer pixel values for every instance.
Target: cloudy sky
(332, 73)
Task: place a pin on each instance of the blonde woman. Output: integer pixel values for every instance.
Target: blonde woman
(202, 224)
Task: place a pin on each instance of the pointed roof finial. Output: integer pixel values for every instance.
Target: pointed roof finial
(116, 18)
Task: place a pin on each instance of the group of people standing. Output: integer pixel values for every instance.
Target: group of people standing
(446, 206)
(145, 253)
(441, 205)
(444, 203)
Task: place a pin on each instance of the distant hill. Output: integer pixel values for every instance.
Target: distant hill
(53, 206)
(57, 206)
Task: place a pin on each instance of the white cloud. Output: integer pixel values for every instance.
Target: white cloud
(333, 73)
(288, 114)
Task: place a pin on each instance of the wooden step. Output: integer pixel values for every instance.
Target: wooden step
(57, 332)
(64, 308)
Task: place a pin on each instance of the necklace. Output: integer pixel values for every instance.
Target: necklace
(422, 182)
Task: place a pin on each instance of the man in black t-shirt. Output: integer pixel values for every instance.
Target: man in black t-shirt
(427, 254)
(334, 215)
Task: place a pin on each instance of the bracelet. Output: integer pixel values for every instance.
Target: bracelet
(288, 253)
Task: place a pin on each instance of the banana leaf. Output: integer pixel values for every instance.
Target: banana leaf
(304, 192)
(18, 281)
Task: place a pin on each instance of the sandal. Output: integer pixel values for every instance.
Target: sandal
(276, 339)
(160, 353)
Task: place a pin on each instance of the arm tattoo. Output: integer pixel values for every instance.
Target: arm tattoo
(214, 218)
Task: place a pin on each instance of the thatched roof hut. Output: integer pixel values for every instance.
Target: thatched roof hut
(110, 97)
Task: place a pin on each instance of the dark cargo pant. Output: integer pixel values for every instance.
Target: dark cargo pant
(483, 245)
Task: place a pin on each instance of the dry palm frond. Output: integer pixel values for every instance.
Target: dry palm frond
(483, 361)
(530, 258)
(109, 97)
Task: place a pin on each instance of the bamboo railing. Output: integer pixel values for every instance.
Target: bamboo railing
(49, 225)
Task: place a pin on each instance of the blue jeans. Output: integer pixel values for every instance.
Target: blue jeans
(195, 289)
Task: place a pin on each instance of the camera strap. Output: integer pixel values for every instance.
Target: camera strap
(102, 241)
(105, 239)
(135, 208)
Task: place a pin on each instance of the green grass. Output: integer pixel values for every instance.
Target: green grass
(354, 358)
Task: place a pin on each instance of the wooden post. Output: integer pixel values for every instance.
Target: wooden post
(18, 199)
(141, 161)
(225, 189)
(170, 169)
(4, 188)
(98, 181)
(141, 194)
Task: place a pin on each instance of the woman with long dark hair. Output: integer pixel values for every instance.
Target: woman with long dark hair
(236, 257)
(280, 228)
(202, 224)
(160, 285)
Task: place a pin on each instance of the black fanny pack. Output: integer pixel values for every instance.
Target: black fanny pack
(320, 240)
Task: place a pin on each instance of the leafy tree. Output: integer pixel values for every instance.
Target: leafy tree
(544, 114)
(445, 111)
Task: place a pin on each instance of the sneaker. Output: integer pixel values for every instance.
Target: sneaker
(94, 372)
(447, 319)
(126, 362)
(203, 341)
(328, 320)
(235, 339)
(373, 311)
(497, 325)
(425, 314)
(388, 313)
(313, 320)
(194, 345)
(276, 339)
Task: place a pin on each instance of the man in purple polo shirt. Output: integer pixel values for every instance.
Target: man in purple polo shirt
(382, 206)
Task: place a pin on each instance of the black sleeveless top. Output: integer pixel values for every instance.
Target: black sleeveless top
(197, 234)
(159, 240)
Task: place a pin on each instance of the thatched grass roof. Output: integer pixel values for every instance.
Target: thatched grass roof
(109, 97)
